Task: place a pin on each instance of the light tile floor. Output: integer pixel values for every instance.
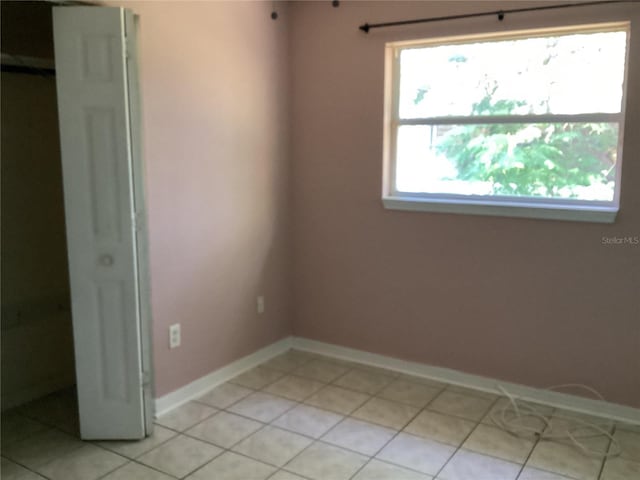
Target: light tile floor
(303, 416)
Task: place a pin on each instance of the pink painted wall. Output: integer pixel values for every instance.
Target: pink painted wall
(535, 302)
(529, 301)
(214, 82)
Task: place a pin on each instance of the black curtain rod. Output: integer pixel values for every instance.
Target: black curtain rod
(43, 72)
(499, 13)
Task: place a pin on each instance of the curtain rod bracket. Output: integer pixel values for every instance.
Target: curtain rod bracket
(501, 15)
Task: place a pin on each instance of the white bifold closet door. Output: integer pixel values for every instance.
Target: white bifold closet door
(95, 93)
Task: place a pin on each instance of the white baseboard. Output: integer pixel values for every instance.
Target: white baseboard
(547, 397)
(552, 398)
(200, 386)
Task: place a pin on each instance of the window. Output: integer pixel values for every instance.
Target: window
(520, 124)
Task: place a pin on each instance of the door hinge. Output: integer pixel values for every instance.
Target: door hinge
(128, 54)
(138, 221)
(146, 379)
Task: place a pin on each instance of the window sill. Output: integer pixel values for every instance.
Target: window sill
(578, 213)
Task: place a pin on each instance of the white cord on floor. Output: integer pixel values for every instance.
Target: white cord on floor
(521, 415)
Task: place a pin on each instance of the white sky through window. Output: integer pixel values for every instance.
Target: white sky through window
(564, 74)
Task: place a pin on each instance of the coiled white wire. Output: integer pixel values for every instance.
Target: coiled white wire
(516, 418)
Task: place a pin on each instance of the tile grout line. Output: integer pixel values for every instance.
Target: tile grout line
(229, 449)
(24, 466)
(297, 455)
(371, 457)
(559, 474)
(538, 440)
(408, 423)
(398, 433)
(313, 442)
(478, 423)
(285, 471)
(535, 444)
(605, 458)
(184, 434)
(84, 443)
(137, 463)
(524, 464)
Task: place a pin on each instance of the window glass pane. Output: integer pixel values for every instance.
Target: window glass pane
(544, 160)
(561, 74)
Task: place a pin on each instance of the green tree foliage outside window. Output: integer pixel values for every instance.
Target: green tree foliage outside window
(531, 159)
(553, 160)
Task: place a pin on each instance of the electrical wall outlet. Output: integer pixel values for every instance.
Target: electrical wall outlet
(260, 304)
(174, 335)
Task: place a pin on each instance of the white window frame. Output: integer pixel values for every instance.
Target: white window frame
(510, 206)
